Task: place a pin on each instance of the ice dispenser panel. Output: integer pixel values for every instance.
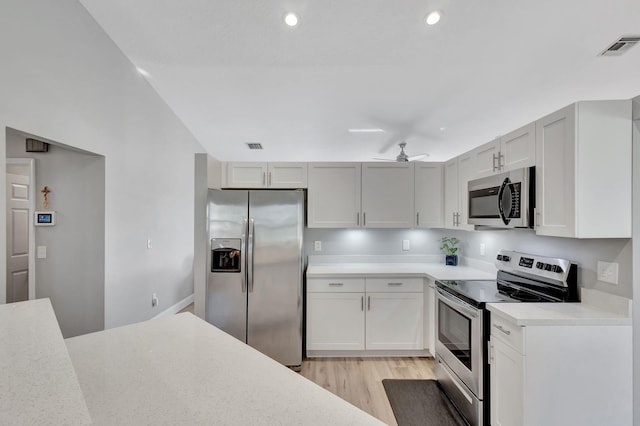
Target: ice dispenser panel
(225, 254)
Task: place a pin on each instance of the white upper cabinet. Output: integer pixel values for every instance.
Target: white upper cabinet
(428, 195)
(387, 195)
(334, 195)
(512, 151)
(266, 175)
(457, 173)
(584, 171)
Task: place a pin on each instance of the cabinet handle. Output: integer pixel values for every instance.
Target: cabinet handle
(336, 284)
(494, 163)
(418, 219)
(358, 219)
(264, 178)
(368, 303)
(362, 303)
(453, 220)
(500, 157)
(499, 327)
(364, 219)
(394, 284)
(537, 219)
(269, 178)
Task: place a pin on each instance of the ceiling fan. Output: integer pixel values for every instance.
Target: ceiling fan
(403, 157)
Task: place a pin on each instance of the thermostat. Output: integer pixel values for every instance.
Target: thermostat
(45, 218)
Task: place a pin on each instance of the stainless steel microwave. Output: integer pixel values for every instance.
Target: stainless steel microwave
(506, 200)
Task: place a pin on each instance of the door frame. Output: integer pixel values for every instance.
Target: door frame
(31, 163)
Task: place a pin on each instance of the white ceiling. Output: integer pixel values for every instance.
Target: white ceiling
(234, 73)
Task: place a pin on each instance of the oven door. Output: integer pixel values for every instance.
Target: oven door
(459, 340)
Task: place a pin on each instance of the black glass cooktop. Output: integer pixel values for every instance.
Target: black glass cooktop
(475, 292)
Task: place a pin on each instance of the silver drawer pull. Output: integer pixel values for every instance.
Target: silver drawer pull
(499, 327)
(336, 284)
(394, 284)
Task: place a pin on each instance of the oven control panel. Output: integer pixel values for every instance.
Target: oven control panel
(539, 266)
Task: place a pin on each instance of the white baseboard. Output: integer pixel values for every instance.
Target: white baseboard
(174, 309)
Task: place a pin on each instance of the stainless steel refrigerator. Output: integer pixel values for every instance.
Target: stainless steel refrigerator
(254, 287)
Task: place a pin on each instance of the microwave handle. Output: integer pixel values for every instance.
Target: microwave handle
(505, 219)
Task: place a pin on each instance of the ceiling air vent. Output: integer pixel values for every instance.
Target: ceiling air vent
(253, 145)
(620, 46)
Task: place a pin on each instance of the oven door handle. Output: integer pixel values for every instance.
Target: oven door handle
(458, 304)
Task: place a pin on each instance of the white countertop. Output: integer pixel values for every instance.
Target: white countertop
(182, 370)
(434, 270)
(597, 308)
(38, 384)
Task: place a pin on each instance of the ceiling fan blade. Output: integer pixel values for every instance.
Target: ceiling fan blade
(417, 157)
(384, 159)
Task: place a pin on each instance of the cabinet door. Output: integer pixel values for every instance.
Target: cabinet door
(555, 173)
(334, 195)
(507, 385)
(387, 195)
(246, 175)
(451, 189)
(394, 321)
(287, 175)
(430, 315)
(335, 321)
(428, 195)
(518, 148)
(466, 166)
(486, 159)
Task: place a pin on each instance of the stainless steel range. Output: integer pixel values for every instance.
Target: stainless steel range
(462, 322)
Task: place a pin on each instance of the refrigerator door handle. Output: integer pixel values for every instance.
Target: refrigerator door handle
(243, 238)
(250, 255)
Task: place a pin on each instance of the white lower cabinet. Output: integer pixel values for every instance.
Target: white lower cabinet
(558, 374)
(394, 321)
(364, 314)
(335, 321)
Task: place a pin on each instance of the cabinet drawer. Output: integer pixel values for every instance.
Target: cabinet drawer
(344, 285)
(395, 285)
(508, 332)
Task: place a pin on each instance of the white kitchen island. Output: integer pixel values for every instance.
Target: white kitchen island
(182, 370)
(174, 370)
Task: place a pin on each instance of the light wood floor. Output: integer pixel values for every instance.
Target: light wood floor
(359, 380)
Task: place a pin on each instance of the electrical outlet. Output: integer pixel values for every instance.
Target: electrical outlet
(154, 300)
(607, 272)
(482, 249)
(317, 245)
(406, 245)
(149, 243)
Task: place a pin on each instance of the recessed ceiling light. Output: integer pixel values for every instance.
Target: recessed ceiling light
(432, 18)
(142, 72)
(442, 129)
(291, 19)
(372, 130)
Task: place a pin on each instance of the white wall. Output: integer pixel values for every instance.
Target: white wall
(63, 79)
(72, 275)
(585, 253)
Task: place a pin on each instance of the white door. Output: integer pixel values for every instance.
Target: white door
(334, 195)
(335, 321)
(387, 195)
(17, 237)
(394, 321)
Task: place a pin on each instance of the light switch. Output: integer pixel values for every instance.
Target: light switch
(317, 245)
(41, 252)
(406, 245)
(607, 272)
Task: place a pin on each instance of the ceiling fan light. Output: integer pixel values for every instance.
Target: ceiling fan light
(433, 18)
(291, 19)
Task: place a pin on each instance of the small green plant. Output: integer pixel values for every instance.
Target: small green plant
(449, 245)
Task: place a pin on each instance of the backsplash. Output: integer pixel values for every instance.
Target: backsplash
(585, 253)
